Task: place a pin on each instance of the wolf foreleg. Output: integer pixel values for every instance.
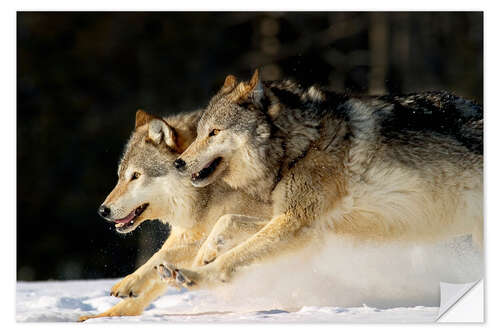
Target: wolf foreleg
(282, 234)
(229, 231)
(144, 285)
(145, 276)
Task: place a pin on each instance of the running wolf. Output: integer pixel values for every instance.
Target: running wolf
(370, 168)
(150, 188)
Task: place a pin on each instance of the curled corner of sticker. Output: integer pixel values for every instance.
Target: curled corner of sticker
(453, 297)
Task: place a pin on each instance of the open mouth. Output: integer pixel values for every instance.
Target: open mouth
(206, 171)
(129, 220)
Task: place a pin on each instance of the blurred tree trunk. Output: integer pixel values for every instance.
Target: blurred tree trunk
(399, 64)
(379, 34)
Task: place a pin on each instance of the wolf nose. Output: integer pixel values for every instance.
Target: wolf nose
(179, 164)
(104, 211)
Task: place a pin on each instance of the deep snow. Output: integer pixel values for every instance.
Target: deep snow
(343, 281)
(67, 300)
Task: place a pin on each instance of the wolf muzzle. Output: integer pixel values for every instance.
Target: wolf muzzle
(104, 211)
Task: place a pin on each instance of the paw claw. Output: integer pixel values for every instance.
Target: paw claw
(206, 262)
(165, 272)
(168, 271)
(180, 278)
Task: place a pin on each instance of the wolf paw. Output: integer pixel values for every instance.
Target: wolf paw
(209, 251)
(205, 256)
(84, 318)
(133, 285)
(195, 278)
(186, 278)
(166, 272)
(180, 277)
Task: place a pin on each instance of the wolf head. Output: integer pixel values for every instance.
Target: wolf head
(232, 137)
(148, 186)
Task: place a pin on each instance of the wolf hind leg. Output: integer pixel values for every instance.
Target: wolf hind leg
(229, 231)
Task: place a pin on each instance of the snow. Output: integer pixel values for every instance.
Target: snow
(65, 301)
(342, 281)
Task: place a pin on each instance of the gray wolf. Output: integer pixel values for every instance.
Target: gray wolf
(370, 168)
(149, 187)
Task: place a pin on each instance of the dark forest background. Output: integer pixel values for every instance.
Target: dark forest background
(81, 77)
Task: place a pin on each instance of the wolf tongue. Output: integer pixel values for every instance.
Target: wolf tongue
(127, 218)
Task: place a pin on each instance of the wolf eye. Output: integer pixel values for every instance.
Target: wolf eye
(214, 132)
(135, 175)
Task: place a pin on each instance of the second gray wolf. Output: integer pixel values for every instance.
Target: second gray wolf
(380, 168)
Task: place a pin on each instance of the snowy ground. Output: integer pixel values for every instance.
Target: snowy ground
(397, 282)
(66, 301)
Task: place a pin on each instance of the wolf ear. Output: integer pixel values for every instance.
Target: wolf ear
(158, 130)
(141, 118)
(256, 88)
(229, 84)
(252, 91)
